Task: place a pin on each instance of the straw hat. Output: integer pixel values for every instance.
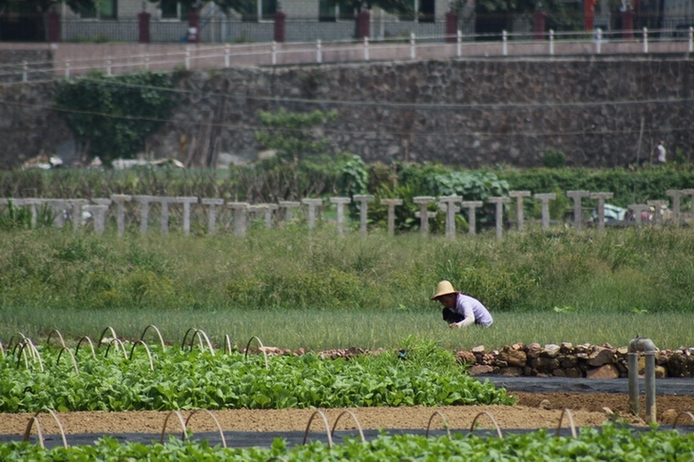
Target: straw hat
(444, 288)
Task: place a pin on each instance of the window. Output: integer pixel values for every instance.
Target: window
(424, 11)
(334, 10)
(102, 9)
(264, 10)
(171, 9)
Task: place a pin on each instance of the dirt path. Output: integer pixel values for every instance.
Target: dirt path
(533, 411)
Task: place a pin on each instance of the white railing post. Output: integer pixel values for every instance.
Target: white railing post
(366, 48)
(274, 53)
(645, 40)
(551, 42)
(25, 71)
(227, 52)
(598, 42)
(108, 68)
(691, 39)
(458, 42)
(147, 62)
(187, 59)
(412, 51)
(319, 51)
(67, 68)
(504, 42)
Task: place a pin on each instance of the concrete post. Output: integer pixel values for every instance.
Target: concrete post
(447, 204)
(627, 25)
(164, 201)
(340, 203)
(675, 194)
(212, 213)
(519, 195)
(545, 198)
(451, 26)
(499, 201)
(363, 25)
(601, 196)
(637, 209)
(143, 25)
(76, 213)
(269, 209)
(58, 207)
(391, 203)
(144, 211)
(578, 212)
(121, 199)
(187, 200)
(312, 205)
(423, 216)
(99, 214)
(657, 215)
(363, 209)
(690, 193)
(472, 215)
(279, 26)
(539, 21)
(53, 27)
(288, 206)
(239, 209)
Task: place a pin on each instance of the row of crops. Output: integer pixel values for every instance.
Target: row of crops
(111, 375)
(611, 442)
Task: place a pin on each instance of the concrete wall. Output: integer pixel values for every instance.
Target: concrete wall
(470, 112)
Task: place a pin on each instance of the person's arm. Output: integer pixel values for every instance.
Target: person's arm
(467, 312)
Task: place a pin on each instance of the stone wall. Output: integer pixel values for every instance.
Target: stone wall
(467, 112)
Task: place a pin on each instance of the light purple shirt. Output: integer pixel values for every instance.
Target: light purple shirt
(473, 311)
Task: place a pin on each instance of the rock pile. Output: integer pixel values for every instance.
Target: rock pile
(567, 360)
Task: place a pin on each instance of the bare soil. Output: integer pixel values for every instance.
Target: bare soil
(533, 410)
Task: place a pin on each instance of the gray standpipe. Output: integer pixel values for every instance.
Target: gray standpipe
(648, 348)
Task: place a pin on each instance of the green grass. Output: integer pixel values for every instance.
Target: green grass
(319, 330)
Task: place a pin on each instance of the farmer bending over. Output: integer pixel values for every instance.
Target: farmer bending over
(460, 310)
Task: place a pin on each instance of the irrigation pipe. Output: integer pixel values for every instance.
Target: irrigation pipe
(60, 336)
(325, 423)
(491, 417)
(72, 357)
(216, 422)
(356, 421)
(35, 419)
(570, 416)
(262, 348)
(156, 329)
(91, 345)
(149, 354)
(677, 419)
(101, 338)
(180, 420)
(445, 424)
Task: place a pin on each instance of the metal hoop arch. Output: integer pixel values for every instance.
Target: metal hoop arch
(445, 423)
(101, 337)
(72, 358)
(325, 423)
(216, 422)
(118, 344)
(570, 416)
(262, 348)
(60, 337)
(35, 419)
(91, 345)
(180, 420)
(356, 421)
(491, 417)
(227, 344)
(149, 354)
(156, 329)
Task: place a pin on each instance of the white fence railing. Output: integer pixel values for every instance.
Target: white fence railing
(115, 59)
(215, 211)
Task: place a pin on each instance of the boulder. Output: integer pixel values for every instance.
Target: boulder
(599, 357)
(514, 358)
(608, 371)
(677, 365)
(478, 349)
(551, 350)
(511, 371)
(479, 369)
(466, 357)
